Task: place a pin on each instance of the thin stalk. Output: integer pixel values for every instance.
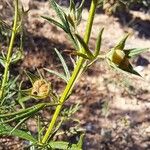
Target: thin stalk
(10, 48)
(78, 69)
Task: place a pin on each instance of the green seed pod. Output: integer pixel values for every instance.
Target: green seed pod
(118, 56)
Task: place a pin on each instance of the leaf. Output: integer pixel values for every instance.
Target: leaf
(55, 23)
(58, 10)
(63, 64)
(118, 59)
(81, 6)
(32, 77)
(56, 128)
(129, 69)
(80, 142)
(73, 40)
(27, 93)
(68, 112)
(72, 6)
(21, 111)
(19, 123)
(10, 87)
(80, 54)
(134, 51)
(100, 3)
(4, 25)
(71, 16)
(6, 130)
(61, 14)
(84, 46)
(30, 112)
(121, 44)
(98, 43)
(2, 61)
(57, 74)
(79, 12)
(16, 56)
(71, 21)
(66, 24)
(8, 96)
(61, 145)
(12, 84)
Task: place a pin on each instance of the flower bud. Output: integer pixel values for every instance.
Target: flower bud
(118, 56)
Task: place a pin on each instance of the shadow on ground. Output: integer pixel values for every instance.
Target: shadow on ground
(125, 18)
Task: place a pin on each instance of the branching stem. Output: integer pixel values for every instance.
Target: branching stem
(10, 48)
(78, 69)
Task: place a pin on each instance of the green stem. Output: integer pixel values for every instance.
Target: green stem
(10, 48)
(78, 69)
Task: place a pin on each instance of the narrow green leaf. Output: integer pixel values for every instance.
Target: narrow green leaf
(98, 43)
(56, 128)
(57, 74)
(21, 111)
(16, 56)
(129, 69)
(59, 11)
(85, 46)
(135, 51)
(27, 110)
(80, 142)
(63, 145)
(6, 130)
(8, 96)
(55, 23)
(23, 96)
(66, 70)
(12, 83)
(121, 44)
(80, 8)
(73, 40)
(70, 20)
(2, 61)
(72, 6)
(80, 54)
(19, 123)
(4, 25)
(66, 24)
(29, 113)
(79, 12)
(26, 93)
(32, 77)
(81, 5)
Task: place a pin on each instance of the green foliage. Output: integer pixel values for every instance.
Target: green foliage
(5, 30)
(66, 146)
(118, 57)
(65, 67)
(14, 98)
(8, 130)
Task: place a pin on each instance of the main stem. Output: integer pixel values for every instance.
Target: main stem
(75, 73)
(10, 48)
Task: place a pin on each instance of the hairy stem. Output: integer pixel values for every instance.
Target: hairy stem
(78, 69)
(10, 48)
